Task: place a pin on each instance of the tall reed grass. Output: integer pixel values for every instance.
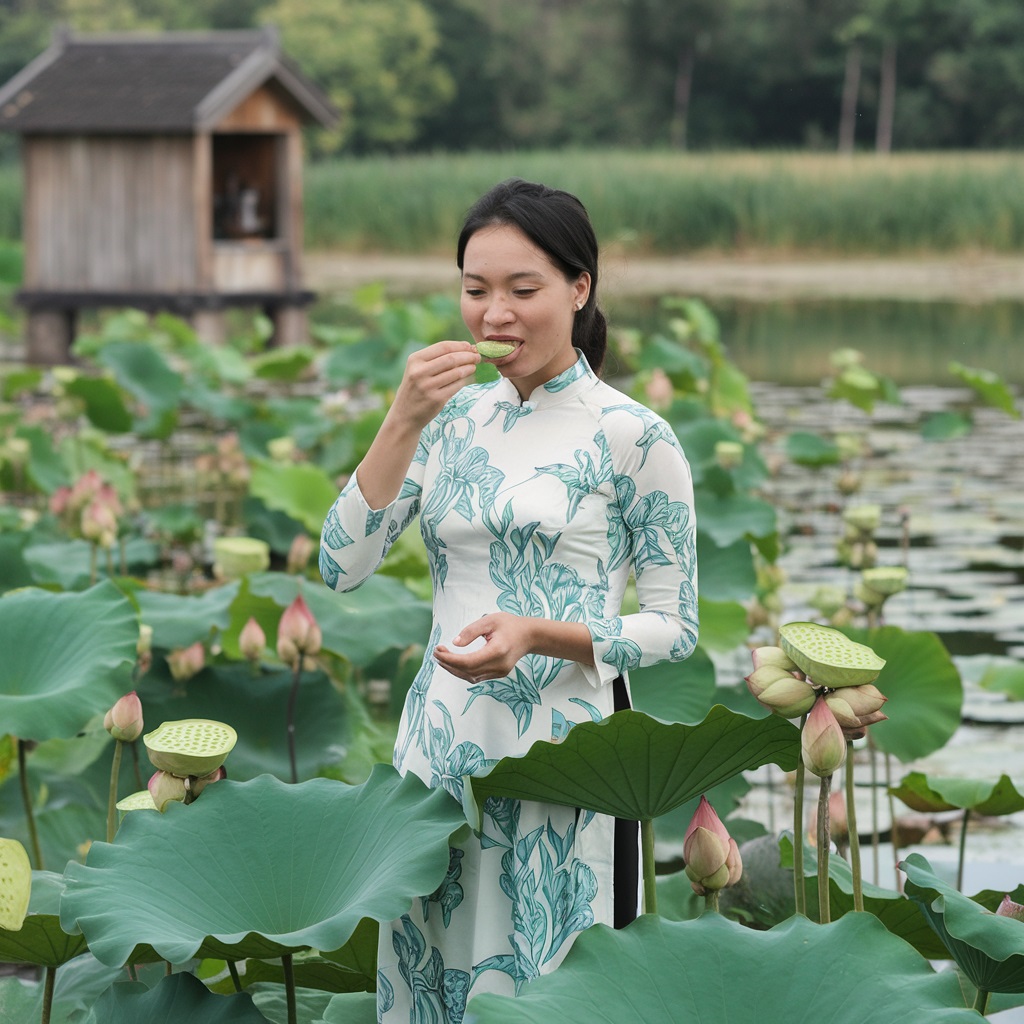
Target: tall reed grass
(680, 203)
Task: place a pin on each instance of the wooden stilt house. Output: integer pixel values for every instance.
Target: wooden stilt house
(161, 172)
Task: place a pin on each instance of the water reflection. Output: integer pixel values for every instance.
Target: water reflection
(789, 342)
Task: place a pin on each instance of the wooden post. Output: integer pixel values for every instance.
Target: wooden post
(49, 334)
(291, 326)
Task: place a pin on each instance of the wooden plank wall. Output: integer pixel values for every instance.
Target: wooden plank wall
(110, 213)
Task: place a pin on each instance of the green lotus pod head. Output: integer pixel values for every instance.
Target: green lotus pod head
(828, 600)
(140, 801)
(864, 517)
(828, 657)
(885, 579)
(192, 746)
(15, 884)
(233, 557)
(495, 349)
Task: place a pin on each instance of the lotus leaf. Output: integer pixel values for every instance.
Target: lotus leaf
(929, 794)
(633, 766)
(41, 940)
(713, 969)
(269, 868)
(50, 690)
(675, 692)
(989, 949)
(180, 997)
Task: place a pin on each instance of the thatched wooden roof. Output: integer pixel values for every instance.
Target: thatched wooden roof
(171, 83)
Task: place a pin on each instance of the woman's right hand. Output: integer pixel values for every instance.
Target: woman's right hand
(432, 375)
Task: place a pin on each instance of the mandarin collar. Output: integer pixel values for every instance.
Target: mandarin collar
(561, 388)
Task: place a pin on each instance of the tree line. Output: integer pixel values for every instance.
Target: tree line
(457, 75)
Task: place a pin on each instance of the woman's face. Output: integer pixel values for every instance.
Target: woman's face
(511, 291)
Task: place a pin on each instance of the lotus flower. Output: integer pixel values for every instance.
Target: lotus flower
(298, 634)
(164, 788)
(124, 720)
(185, 662)
(857, 706)
(252, 640)
(299, 553)
(822, 741)
(778, 685)
(712, 856)
(1010, 909)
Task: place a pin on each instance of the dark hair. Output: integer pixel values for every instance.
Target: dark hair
(557, 223)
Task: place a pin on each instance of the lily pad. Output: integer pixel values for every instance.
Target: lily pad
(811, 450)
(989, 386)
(987, 948)
(1008, 679)
(633, 766)
(713, 969)
(50, 690)
(929, 794)
(181, 997)
(268, 868)
(924, 688)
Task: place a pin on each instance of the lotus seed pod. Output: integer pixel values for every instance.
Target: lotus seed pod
(848, 483)
(822, 742)
(828, 600)
(864, 517)
(140, 801)
(495, 349)
(15, 884)
(192, 746)
(729, 454)
(234, 557)
(885, 579)
(827, 657)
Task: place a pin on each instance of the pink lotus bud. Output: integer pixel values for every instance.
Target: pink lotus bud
(776, 657)
(822, 741)
(165, 788)
(124, 720)
(300, 552)
(658, 389)
(86, 488)
(60, 500)
(99, 524)
(1010, 909)
(853, 704)
(780, 691)
(196, 784)
(252, 640)
(185, 662)
(298, 634)
(712, 856)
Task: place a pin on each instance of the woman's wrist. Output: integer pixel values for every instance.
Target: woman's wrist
(554, 639)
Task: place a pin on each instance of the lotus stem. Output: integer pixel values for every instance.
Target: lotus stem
(289, 987)
(292, 698)
(893, 827)
(799, 900)
(135, 764)
(51, 976)
(233, 971)
(647, 852)
(851, 819)
(963, 849)
(26, 799)
(824, 842)
(981, 1001)
(711, 901)
(115, 770)
(875, 838)
(93, 574)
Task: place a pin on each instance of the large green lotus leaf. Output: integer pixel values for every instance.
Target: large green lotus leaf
(928, 793)
(270, 998)
(726, 573)
(350, 1008)
(255, 705)
(287, 364)
(68, 564)
(144, 372)
(311, 972)
(811, 450)
(924, 688)
(41, 940)
(901, 916)
(723, 624)
(66, 657)
(727, 520)
(104, 401)
(989, 949)
(674, 691)
(20, 1000)
(303, 491)
(713, 970)
(179, 620)
(633, 766)
(180, 997)
(1008, 679)
(266, 867)
(946, 426)
(989, 386)
(14, 570)
(46, 469)
(361, 625)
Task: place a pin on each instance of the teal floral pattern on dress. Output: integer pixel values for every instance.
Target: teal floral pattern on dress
(543, 506)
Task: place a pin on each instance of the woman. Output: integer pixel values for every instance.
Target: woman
(539, 495)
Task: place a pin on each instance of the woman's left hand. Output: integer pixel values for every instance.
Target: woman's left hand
(507, 639)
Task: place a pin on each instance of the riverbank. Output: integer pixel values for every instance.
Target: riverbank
(969, 278)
